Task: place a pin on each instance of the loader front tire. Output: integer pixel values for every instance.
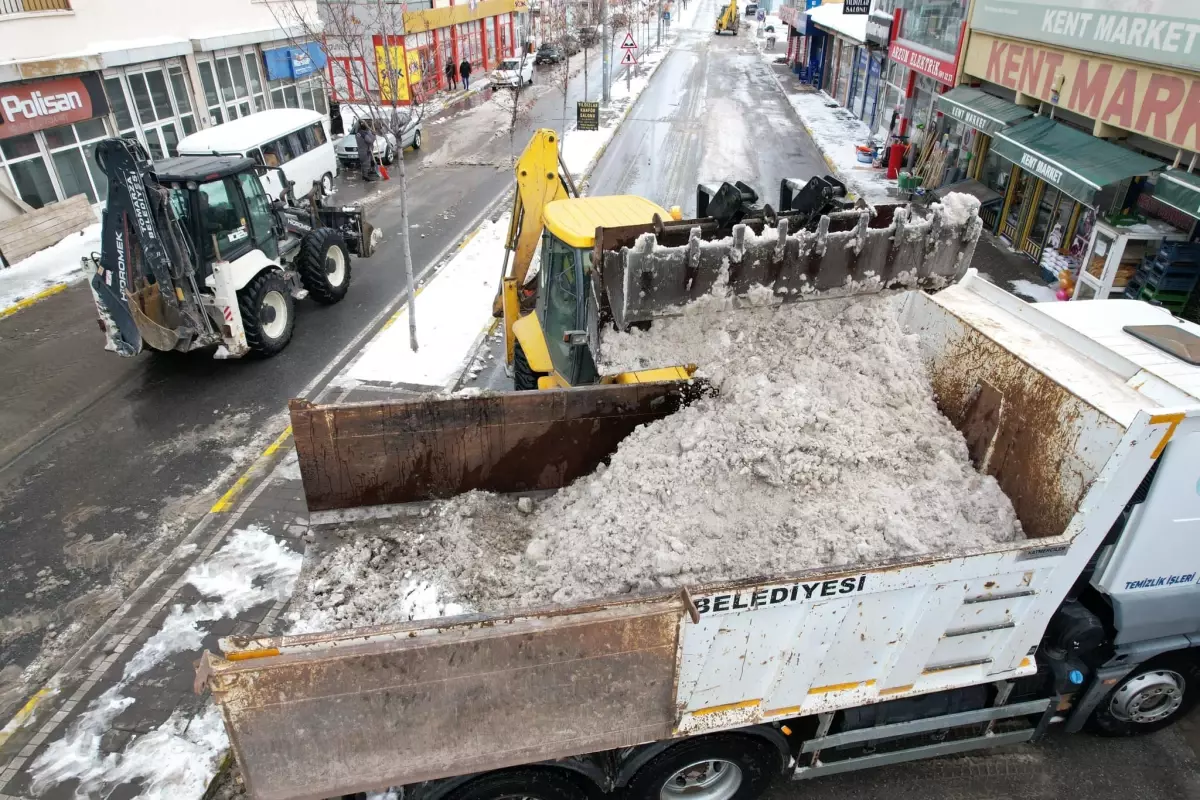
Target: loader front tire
(524, 378)
(324, 265)
(268, 313)
(719, 767)
(527, 784)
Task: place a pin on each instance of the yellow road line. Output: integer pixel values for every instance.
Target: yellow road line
(28, 301)
(21, 717)
(226, 501)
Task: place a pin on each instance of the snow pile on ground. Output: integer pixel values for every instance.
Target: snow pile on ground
(823, 447)
(453, 311)
(837, 132)
(1034, 292)
(178, 758)
(59, 263)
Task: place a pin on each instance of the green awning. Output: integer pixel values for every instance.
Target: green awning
(980, 110)
(1180, 190)
(1071, 160)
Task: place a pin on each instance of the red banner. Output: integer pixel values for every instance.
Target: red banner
(936, 67)
(29, 107)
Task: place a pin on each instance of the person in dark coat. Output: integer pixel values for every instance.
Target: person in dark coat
(364, 137)
(451, 76)
(464, 70)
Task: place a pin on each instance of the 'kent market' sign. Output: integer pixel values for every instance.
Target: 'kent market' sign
(1113, 27)
(1161, 104)
(940, 69)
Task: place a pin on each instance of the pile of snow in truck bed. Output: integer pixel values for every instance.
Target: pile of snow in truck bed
(823, 447)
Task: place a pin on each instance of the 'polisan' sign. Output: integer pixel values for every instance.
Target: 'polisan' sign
(29, 107)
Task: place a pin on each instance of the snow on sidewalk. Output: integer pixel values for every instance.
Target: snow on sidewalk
(57, 264)
(453, 308)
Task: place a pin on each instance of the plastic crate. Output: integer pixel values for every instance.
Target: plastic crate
(1167, 278)
(1185, 252)
(1174, 301)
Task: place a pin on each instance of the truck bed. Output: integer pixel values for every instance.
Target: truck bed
(327, 713)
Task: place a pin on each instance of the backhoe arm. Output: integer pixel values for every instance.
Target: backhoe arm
(538, 183)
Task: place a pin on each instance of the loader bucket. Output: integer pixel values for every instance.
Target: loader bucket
(850, 252)
(156, 321)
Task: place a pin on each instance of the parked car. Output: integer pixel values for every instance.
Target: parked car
(751, 9)
(386, 147)
(513, 72)
(294, 139)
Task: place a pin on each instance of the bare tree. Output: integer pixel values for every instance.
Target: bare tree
(345, 29)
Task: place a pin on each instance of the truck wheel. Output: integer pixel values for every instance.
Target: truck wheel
(268, 313)
(324, 265)
(1154, 696)
(526, 784)
(721, 767)
(524, 378)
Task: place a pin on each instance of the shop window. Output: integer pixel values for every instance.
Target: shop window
(935, 25)
(116, 102)
(163, 107)
(27, 169)
(73, 152)
(233, 85)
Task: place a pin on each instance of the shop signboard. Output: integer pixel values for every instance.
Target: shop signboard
(587, 116)
(1159, 103)
(792, 16)
(36, 106)
(395, 66)
(857, 7)
(937, 67)
(294, 63)
(1111, 27)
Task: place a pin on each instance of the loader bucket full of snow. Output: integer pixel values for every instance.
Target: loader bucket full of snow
(652, 273)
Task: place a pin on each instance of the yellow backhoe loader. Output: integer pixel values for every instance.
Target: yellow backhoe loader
(614, 262)
(727, 20)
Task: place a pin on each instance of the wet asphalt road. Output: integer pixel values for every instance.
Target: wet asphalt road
(713, 113)
(106, 463)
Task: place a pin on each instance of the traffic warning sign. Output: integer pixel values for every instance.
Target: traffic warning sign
(629, 43)
(628, 58)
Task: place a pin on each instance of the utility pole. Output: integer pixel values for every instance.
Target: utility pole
(658, 37)
(606, 47)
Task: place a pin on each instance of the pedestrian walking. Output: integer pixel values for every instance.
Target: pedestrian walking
(364, 137)
(451, 76)
(464, 71)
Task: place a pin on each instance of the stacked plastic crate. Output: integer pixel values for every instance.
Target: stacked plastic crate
(1168, 277)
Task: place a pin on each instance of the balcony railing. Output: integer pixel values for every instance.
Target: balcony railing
(10, 7)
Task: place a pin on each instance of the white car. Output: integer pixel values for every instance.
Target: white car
(513, 72)
(385, 147)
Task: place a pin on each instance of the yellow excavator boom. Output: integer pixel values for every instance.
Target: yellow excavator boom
(728, 21)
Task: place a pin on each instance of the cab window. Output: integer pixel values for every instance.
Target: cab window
(561, 290)
(258, 210)
(222, 220)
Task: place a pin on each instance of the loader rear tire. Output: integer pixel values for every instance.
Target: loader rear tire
(720, 767)
(262, 302)
(527, 784)
(524, 378)
(324, 265)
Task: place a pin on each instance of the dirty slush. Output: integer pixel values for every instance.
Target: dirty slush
(822, 448)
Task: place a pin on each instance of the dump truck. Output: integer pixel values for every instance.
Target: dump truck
(1086, 414)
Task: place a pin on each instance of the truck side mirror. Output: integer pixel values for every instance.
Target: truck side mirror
(575, 338)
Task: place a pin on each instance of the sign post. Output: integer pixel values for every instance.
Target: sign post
(629, 59)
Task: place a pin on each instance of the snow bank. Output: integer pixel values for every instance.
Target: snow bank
(1035, 292)
(823, 448)
(58, 263)
(836, 132)
(453, 308)
(178, 758)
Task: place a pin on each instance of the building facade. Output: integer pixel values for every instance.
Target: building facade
(1080, 113)
(73, 72)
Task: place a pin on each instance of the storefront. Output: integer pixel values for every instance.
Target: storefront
(973, 117)
(846, 58)
(1103, 126)
(924, 53)
(49, 135)
(1060, 179)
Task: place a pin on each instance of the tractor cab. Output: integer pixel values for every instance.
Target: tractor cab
(554, 338)
(221, 204)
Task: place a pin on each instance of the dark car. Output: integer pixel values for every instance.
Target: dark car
(549, 54)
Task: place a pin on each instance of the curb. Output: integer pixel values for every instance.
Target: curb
(49, 291)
